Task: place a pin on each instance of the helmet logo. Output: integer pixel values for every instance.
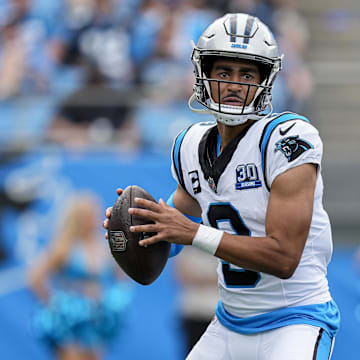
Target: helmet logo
(239, 46)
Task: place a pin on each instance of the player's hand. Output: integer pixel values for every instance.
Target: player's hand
(108, 214)
(169, 223)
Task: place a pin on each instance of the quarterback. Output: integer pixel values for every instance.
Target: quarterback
(253, 177)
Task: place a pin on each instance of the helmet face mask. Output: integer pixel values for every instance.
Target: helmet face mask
(235, 36)
(228, 108)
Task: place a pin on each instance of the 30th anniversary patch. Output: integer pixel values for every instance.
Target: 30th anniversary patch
(247, 177)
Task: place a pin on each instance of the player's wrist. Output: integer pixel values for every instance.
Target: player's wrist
(207, 239)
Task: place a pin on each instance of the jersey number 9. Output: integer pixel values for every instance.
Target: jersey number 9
(233, 277)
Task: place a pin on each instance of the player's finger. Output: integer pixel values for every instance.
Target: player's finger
(151, 205)
(106, 235)
(108, 212)
(163, 203)
(148, 228)
(147, 214)
(106, 223)
(149, 241)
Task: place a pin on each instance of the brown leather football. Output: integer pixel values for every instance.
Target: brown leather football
(142, 264)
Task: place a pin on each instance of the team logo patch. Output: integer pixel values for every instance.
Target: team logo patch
(292, 147)
(194, 176)
(247, 177)
(118, 241)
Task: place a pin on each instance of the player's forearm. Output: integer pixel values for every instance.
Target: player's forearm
(262, 254)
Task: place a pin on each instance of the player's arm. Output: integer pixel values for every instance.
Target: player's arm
(182, 201)
(185, 203)
(288, 222)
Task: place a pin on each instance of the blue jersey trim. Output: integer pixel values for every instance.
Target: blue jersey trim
(326, 316)
(176, 156)
(218, 145)
(271, 126)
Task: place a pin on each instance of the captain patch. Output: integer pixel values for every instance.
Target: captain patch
(292, 147)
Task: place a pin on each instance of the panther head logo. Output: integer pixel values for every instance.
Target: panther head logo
(292, 147)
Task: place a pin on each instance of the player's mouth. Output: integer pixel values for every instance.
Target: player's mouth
(233, 101)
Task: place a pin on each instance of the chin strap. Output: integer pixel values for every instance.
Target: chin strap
(229, 120)
(196, 110)
(271, 110)
(224, 118)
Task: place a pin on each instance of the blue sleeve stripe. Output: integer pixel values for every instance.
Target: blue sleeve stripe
(268, 130)
(176, 156)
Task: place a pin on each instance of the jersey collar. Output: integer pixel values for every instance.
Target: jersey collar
(212, 164)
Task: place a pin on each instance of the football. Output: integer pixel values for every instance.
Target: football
(142, 264)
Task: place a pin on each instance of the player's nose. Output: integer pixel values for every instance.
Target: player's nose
(235, 84)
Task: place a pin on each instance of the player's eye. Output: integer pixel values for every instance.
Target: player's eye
(223, 75)
(248, 77)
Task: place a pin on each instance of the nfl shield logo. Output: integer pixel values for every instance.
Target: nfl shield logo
(212, 184)
(118, 241)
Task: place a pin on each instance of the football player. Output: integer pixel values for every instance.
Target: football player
(254, 179)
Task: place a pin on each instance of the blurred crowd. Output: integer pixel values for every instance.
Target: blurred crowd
(82, 73)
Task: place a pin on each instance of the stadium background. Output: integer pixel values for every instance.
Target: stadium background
(91, 96)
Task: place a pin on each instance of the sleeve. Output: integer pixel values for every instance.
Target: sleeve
(291, 144)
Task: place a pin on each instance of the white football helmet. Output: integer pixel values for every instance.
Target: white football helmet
(239, 36)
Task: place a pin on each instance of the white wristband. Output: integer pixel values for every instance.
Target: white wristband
(207, 239)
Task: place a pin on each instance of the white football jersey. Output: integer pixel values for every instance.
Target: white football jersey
(233, 191)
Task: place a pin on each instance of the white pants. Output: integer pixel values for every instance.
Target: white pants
(294, 342)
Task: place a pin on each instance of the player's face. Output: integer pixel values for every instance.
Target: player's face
(235, 70)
